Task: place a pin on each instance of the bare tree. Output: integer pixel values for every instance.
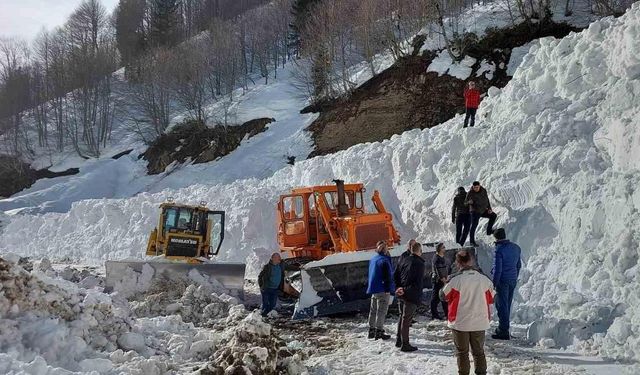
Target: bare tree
(14, 91)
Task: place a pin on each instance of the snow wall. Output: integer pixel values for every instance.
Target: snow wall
(558, 149)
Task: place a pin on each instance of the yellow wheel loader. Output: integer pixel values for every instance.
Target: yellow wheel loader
(181, 245)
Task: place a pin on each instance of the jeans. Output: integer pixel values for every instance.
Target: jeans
(435, 299)
(269, 300)
(471, 115)
(504, 297)
(378, 310)
(463, 222)
(475, 219)
(462, 341)
(406, 316)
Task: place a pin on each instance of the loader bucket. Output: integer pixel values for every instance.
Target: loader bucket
(342, 288)
(129, 278)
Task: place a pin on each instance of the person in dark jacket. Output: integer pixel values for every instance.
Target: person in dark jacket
(438, 279)
(506, 269)
(411, 276)
(460, 216)
(480, 207)
(271, 282)
(381, 287)
(396, 276)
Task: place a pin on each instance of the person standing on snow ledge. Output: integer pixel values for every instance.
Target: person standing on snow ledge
(460, 216)
(506, 269)
(271, 282)
(479, 205)
(381, 287)
(472, 98)
(470, 295)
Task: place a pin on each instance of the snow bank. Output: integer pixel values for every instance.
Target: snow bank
(556, 149)
(443, 64)
(52, 326)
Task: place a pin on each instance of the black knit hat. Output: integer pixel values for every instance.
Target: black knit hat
(476, 183)
(499, 234)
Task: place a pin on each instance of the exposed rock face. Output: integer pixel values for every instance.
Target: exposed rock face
(16, 175)
(406, 96)
(198, 143)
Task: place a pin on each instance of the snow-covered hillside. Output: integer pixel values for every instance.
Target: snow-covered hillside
(557, 148)
(257, 157)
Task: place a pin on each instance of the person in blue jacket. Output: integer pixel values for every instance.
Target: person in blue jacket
(506, 268)
(381, 287)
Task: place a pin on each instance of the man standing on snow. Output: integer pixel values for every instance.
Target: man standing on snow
(411, 276)
(380, 287)
(396, 275)
(479, 205)
(438, 279)
(460, 216)
(471, 102)
(470, 295)
(271, 282)
(506, 269)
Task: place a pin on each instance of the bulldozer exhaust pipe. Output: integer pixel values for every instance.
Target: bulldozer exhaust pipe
(343, 208)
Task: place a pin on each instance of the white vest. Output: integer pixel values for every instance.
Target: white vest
(470, 296)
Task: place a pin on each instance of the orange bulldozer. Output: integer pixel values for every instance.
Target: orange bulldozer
(327, 237)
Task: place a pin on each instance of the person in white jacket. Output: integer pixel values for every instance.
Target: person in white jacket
(469, 295)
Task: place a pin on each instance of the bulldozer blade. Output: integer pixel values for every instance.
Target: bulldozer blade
(342, 288)
(133, 277)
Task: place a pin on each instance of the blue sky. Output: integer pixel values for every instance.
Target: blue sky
(25, 18)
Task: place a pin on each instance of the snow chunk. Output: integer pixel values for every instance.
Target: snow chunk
(443, 64)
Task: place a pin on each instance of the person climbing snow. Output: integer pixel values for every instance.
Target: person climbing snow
(460, 216)
(410, 276)
(439, 273)
(472, 98)
(506, 269)
(470, 295)
(480, 207)
(380, 287)
(271, 282)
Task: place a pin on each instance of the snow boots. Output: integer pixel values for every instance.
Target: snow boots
(408, 348)
(379, 334)
(372, 333)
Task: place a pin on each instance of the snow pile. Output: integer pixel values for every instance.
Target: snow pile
(54, 320)
(196, 304)
(444, 64)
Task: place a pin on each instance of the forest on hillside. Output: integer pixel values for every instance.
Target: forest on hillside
(153, 59)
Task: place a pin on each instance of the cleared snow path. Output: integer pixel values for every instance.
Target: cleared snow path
(436, 354)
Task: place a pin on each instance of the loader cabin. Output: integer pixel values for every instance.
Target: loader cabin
(317, 221)
(187, 232)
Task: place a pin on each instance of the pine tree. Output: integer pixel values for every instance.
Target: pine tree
(130, 34)
(300, 10)
(165, 22)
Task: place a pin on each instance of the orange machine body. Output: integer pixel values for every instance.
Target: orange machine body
(317, 221)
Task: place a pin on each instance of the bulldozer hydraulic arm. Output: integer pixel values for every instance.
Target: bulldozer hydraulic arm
(330, 223)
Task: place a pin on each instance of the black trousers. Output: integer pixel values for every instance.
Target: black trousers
(475, 219)
(435, 299)
(471, 115)
(463, 224)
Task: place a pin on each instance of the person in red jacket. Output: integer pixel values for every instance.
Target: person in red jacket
(471, 101)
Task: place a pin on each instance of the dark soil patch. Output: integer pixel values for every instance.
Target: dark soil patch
(16, 175)
(199, 143)
(406, 97)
